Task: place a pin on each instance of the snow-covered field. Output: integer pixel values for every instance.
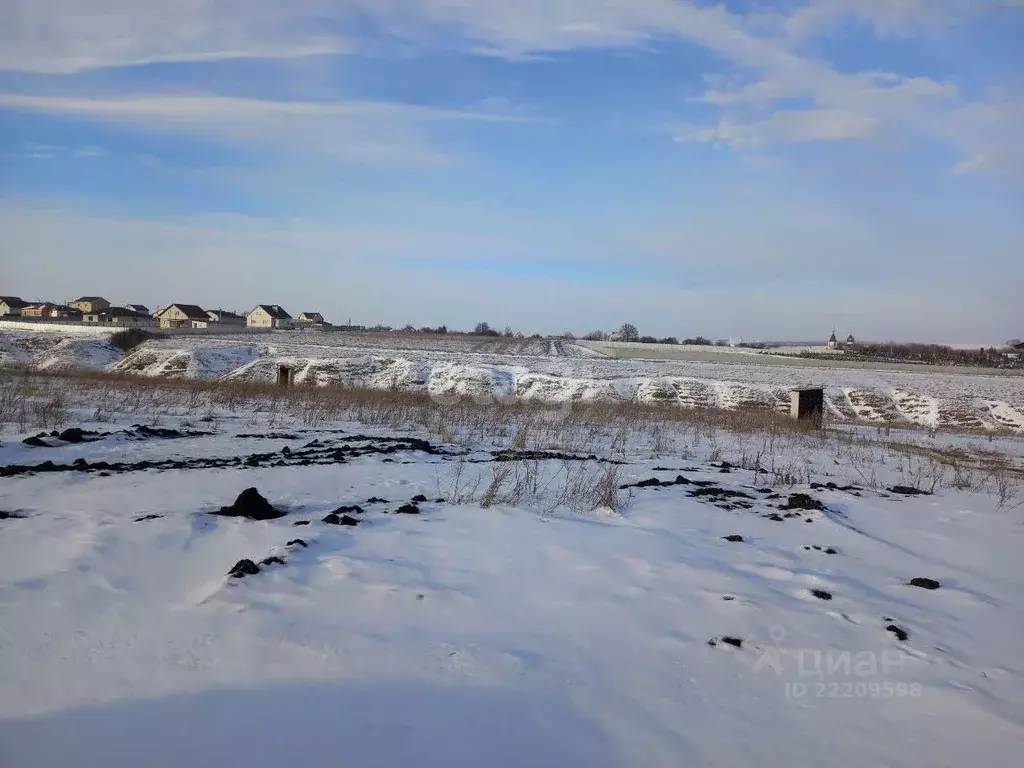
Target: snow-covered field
(551, 371)
(529, 609)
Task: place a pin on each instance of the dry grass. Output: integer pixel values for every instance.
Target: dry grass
(778, 450)
(579, 486)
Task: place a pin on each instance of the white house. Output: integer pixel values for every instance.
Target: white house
(268, 316)
(183, 316)
(312, 320)
(11, 305)
(119, 317)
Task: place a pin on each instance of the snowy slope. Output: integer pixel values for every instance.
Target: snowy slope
(551, 371)
(504, 636)
(53, 351)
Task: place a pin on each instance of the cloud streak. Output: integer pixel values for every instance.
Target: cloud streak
(68, 35)
(364, 131)
(63, 36)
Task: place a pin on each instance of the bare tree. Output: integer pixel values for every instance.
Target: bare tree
(629, 332)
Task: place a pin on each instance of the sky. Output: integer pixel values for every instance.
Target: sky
(769, 169)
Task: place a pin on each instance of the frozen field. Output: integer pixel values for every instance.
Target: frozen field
(634, 603)
(552, 371)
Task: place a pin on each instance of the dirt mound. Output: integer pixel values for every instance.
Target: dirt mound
(803, 501)
(252, 506)
(243, 568)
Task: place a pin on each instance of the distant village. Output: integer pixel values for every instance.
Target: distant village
(1009, 355)
(96, 310)
(191, 318)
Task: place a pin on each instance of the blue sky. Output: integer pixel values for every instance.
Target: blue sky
(756, 170)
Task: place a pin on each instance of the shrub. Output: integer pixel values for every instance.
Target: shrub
(130, 338)
(484, 329)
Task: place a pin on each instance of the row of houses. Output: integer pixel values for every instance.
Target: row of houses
(15, 306)
(95, 310)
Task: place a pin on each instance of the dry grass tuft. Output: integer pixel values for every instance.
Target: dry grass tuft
(779, 450)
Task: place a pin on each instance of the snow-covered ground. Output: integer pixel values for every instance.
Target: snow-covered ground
(648, 606)
(551, 371)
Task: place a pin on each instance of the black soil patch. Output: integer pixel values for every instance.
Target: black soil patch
(376, 500)
(76, 435)
(906, 490)
(722, 493)
(901, 634)
(510, 455)
(653, 482)
(419, 498)
(348, 520)
(244, 568)
(819, 548)
(353, 446)
(297, 543)
(347, 509)
(251, 505)
(142, 431)
(735, 642)
(821, 594)
(272, 560)
(924, 583)
(144, 518)
(834, 487)
(301, 522)
(11, 516)
(803, 501)
(723, 498)
(733, 537)
(408, 509)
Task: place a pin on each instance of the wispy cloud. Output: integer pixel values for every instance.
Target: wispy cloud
(887, 17)
(859, 106)
(68, 35)
(38, 151)
(789, 126)
(62, 36)
(365, 131)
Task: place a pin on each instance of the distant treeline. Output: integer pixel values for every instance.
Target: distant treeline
(935, 354)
